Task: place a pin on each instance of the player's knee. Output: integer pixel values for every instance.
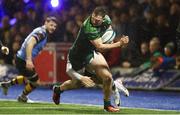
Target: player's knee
(33, 80)
(107, 78)
(33, 85)
(76, 83)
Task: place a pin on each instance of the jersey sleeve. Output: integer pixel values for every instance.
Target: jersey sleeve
(39, 35)
(92, 35)
(107, 21)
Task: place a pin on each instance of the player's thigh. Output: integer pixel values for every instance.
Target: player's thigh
(91, 73)
(31, 75)
(100, 66)
(98, 61)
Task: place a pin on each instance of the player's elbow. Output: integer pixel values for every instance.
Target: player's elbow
(100, 48)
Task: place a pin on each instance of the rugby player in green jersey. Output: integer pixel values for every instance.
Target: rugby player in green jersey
(85, 53)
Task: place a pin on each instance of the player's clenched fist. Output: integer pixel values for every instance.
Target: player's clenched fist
(5, 50)
(124, 40)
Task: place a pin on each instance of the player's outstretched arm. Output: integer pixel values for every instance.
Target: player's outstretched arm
(103, 47)
(85, 80)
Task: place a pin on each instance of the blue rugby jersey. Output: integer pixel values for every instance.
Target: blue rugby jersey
(40, 34)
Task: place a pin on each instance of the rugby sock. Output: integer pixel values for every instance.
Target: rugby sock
(107, 103)
(18, 80)
(28, 89)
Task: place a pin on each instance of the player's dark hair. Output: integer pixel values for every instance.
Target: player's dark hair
(51, 18)
(100, 10)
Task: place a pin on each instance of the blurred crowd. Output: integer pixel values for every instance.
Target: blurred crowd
(150, 24)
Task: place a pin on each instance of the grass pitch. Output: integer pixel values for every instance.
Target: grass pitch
(13, 107)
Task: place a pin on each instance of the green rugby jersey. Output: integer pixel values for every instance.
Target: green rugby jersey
(82, 49)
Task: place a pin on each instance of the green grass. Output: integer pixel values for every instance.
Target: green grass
(13, 107)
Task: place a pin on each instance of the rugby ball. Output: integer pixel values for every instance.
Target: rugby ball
(108, 36)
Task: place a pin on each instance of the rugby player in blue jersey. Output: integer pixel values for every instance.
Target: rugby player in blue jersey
(30, 48)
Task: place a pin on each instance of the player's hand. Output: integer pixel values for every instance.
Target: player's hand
(87, 81)
(29, 64)
(124, 40)
(5, 50)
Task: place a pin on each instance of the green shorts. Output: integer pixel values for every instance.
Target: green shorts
(80, 62)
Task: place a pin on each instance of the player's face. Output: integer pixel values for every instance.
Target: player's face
(96, 20)
(167, 51)
(153, 46)
(144, 48)
(51, 26)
